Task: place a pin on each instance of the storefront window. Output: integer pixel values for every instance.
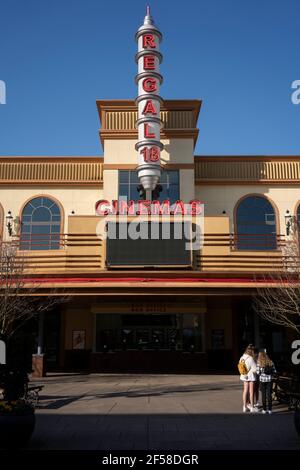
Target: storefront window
(129, 183)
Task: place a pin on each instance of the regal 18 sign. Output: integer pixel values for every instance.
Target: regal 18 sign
(148, 101)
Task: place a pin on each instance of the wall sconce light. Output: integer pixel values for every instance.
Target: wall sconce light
(9, 220)
(288, 222)
(17, 225)
(13, 224)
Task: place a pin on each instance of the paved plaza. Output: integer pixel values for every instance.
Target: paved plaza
(149, 412)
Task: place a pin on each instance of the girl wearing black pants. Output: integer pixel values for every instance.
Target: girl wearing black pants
(265, 370)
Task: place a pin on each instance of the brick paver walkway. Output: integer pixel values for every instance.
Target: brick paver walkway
(150, 412)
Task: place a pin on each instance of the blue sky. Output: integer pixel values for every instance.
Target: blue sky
(239, 56)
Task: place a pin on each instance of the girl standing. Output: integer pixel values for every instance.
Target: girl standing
(265, 371)
(249, 379)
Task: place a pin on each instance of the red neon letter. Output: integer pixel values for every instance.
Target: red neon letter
(149, 41)
(179, 208)
(149, 62)
(148, 134)
(196, 207)
(149, 84)
(144, 152)
(154, 154)
(102, 207)
(144, 207)
(115, 206)
(161, 208)
(125, 208)
(149, 108)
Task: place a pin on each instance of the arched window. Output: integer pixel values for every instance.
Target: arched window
(255, 224)
(298, 219)
(1, 221)
(40, 225)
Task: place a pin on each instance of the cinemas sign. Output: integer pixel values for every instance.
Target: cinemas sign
(146, 207)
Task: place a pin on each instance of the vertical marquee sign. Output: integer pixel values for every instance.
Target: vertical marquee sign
(148, 101)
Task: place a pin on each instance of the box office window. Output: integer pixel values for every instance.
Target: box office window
(169, 182)
(148, 244)
(181, 332)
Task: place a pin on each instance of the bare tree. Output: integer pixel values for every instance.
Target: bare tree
(279, 300)
(19, 299)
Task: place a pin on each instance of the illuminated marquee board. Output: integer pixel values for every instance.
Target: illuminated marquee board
(148, 101)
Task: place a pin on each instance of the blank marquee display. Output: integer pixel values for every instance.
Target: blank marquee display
(158, 248)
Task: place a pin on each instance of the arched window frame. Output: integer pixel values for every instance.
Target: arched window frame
(297, 219)
(297, 208)
(2, 221)
(277, 224)
(35, 247)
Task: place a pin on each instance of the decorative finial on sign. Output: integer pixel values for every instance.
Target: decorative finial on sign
(148, 18)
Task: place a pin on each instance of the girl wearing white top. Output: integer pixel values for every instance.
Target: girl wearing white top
(249, 379)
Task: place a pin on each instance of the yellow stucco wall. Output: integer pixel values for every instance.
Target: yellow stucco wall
(178, 151)
(122, 152)
(187, 185)
(110, 184)
(78, 318)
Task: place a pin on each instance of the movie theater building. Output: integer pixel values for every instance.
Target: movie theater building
(149, 304)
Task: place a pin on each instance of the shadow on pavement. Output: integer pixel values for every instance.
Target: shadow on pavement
(165, 432)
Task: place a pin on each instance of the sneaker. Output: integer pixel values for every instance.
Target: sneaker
(245, 409)
(257, 405)
(264, 412)
(253, 410)
(248, 407)
(270, 412)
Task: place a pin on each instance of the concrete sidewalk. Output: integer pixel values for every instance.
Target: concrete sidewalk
(150, 412)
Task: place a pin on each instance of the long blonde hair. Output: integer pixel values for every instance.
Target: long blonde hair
(264, 360)
(249, 350)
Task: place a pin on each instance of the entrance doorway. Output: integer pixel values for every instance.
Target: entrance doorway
(142, 342)
(180, 332)
(264, 335)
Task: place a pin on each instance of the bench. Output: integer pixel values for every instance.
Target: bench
(286, 389)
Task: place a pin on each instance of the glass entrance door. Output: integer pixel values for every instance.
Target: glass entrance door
(148, 332)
